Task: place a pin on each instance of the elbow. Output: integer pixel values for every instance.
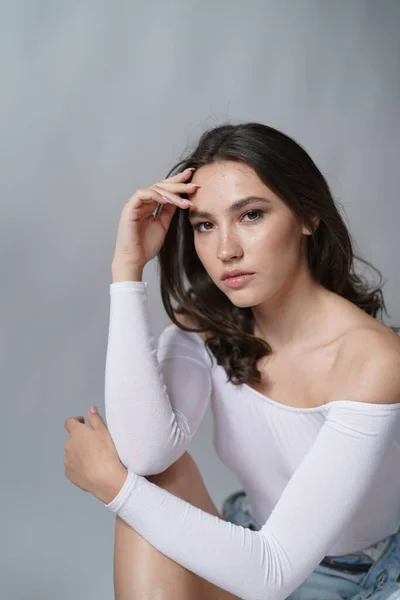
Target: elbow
(137, 457)
(150, 455)
(149, 463)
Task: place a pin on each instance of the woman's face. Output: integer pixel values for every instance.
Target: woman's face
(261, 236)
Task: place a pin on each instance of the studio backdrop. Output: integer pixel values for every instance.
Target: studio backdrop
(98, 98)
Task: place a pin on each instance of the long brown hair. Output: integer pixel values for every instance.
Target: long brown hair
(287, 169)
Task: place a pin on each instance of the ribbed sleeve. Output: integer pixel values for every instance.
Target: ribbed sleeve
(155, 395)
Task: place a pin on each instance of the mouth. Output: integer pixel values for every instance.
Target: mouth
(238, 280)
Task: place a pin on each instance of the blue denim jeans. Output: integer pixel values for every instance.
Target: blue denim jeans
(373, 573)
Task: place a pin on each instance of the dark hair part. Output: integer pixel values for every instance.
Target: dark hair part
(286, 168)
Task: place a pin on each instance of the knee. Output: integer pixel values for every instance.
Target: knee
(176, 473)
(183, 479)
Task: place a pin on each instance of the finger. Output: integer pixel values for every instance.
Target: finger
(80, 419)
(174, 198)
(178, 188)
(95, 419)
(164, 214)
(71, 423)
(144, 201)
(181, 176)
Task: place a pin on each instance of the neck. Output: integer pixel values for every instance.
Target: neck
(294, 315)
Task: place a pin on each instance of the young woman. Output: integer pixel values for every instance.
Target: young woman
(273, 327)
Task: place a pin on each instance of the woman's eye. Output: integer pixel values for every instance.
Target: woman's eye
(257, 213)
(197, 226)
(254, 215)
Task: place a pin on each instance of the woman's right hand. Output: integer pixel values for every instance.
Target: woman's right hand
(140, 235)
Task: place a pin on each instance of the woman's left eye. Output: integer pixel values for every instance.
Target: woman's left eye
(258, 213)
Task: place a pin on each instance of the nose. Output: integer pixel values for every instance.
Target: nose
(229, 247)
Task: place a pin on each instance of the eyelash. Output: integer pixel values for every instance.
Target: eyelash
(259, 213)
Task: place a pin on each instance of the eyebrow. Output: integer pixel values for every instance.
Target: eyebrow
(237, 205)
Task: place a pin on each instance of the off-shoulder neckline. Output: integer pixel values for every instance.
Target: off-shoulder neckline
(357, 405)
(347, 403)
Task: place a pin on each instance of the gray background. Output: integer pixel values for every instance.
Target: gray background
(98, 98)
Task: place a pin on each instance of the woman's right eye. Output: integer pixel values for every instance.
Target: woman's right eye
(197, 226)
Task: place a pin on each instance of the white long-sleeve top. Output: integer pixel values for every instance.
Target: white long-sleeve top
(321, 481)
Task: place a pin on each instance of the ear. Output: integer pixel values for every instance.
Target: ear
(316, 221)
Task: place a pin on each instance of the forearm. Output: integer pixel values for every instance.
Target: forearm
(229, 556)
(139, 414)
(126, 273)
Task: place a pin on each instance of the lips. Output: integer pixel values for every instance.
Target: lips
(238, 281)
(233, 274)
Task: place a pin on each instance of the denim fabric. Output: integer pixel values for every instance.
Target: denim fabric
(373, 573)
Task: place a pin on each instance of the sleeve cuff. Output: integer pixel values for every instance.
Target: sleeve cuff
(128, 285)
(124, 493)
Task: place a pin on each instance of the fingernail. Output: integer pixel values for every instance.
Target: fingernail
(167, 199)
(191, 169)
(187, 202)
(92, 408)
(195, 184)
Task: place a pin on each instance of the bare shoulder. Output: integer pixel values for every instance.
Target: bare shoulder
(368, 366)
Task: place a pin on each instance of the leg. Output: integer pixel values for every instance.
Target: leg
(141, 572)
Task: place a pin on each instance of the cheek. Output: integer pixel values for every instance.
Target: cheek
(278, 236)
(265, 241)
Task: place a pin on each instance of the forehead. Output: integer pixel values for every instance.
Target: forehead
(225, 182)
(228, 174)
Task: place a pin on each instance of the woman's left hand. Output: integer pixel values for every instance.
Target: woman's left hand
(91, 460)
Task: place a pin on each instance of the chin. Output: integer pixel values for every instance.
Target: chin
(242, 298)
